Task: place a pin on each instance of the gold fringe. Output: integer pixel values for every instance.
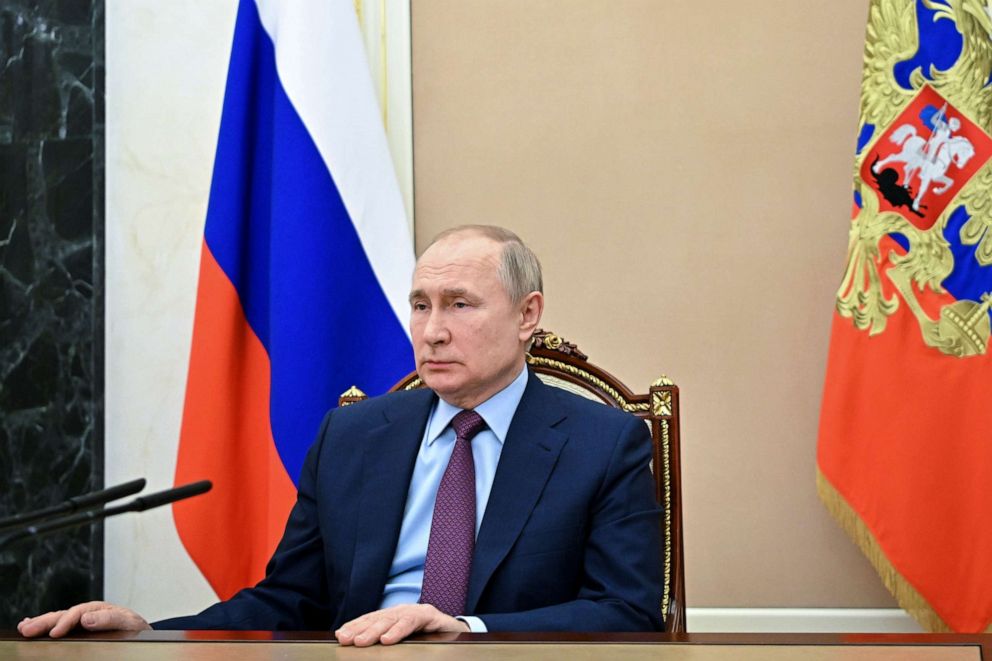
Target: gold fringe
(905, 594)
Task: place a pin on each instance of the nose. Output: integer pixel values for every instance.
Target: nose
(436, 330)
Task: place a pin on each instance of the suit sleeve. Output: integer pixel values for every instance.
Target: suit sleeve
(622, 581)
(293, 594)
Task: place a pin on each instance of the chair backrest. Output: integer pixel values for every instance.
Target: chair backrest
(560, 364)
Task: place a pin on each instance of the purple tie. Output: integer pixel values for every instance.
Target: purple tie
(452, 541)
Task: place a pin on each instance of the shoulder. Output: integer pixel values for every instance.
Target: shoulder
(577, 405)
(375, 411)
(384, 404)
(584, 416)
(345, 428)
(602, 440)
(590, 408)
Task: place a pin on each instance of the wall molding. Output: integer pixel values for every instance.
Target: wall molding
(800, 620)
(386, 32)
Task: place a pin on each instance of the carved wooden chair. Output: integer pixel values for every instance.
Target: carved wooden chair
(560, 364)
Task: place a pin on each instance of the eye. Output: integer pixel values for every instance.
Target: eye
(419, 306)
(460, 305)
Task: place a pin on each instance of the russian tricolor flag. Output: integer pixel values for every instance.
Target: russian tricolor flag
(305, 269)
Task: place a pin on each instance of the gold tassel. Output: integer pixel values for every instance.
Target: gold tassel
(905, 594)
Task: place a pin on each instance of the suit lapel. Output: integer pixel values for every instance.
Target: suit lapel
(387, 466)
(529, 455)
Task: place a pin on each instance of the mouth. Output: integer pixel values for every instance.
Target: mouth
(436, 364)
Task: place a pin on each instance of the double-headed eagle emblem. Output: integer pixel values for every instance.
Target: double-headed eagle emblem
(922, 181)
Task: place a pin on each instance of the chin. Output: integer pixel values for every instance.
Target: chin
(438, 382)
(442, 386)
(449, 389)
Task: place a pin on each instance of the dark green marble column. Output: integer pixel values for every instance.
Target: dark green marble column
(51, 291)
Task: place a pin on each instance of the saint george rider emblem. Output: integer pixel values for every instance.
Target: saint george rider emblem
(924, 158)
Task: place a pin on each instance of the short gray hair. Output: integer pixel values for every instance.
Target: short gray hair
(519, 268)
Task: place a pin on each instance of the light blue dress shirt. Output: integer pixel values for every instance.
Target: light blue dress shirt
(406, 575)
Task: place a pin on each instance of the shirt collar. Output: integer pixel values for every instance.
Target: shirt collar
(497, 411)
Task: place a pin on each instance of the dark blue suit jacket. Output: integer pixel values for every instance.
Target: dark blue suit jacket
(570, 541)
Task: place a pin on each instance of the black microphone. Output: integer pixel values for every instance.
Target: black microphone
(75, 504)
(139, 504)
(159, 498)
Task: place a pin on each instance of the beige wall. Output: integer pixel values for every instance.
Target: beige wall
(683, 169)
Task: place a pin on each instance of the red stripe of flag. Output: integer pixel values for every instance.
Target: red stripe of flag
(227, 396)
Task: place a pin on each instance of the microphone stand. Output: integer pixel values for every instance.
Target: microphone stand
(74, 504)
(139, 504)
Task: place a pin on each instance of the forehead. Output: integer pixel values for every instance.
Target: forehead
(463, 257)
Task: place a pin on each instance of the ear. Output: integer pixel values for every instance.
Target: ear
(531, 309)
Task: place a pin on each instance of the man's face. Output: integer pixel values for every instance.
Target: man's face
(468, 336)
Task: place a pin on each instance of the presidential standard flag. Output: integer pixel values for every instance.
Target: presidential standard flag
(905, 446)
(305, 268)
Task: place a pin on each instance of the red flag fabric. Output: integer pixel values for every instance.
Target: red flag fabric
(905, 454)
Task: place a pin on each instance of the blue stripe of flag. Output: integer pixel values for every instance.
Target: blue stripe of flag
(278, 228)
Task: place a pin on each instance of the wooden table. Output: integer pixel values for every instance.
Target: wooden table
(265, 646)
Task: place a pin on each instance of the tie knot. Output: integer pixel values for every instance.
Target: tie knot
(467, 424)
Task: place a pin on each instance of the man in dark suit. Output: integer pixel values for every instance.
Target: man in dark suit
(488, 502)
